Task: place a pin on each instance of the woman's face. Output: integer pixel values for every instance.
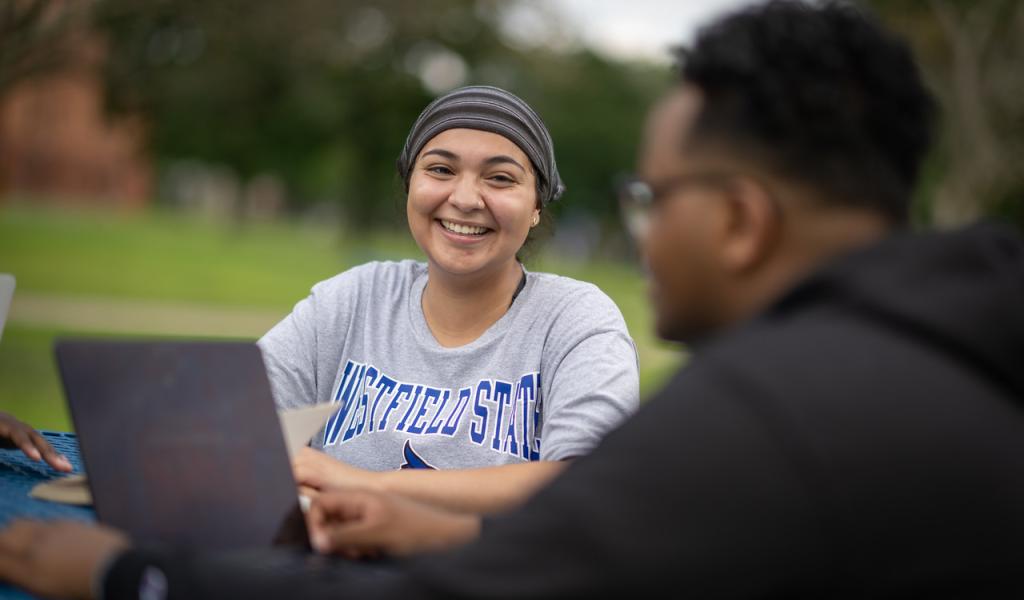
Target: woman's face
(472, 200)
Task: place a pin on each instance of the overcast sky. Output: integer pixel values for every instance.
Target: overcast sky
(640, 28)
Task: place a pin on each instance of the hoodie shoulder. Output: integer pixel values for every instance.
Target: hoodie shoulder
(958, 292)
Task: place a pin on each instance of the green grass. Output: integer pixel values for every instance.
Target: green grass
(29, 386)
(169, 257)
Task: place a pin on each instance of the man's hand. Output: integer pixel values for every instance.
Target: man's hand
(316, 470)
(57, 559)
(34, 445)
(364, 523)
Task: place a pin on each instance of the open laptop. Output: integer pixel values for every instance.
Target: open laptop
(6, 293)
(181, 442)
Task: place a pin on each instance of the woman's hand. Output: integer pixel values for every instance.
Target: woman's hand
(316, 470)
(365, 523)
(57, 559)
(34, 445)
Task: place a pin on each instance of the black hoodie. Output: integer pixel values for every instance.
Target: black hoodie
(864, 437)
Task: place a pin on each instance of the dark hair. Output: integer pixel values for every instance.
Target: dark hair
(820, 93)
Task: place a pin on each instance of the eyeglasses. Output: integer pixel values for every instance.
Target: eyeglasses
(638, 198)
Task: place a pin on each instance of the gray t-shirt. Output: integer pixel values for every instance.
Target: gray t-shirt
(547, 381)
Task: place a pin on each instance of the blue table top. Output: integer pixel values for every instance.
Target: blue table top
(19, 474)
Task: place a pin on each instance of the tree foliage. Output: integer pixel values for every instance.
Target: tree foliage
(36, 37)
(971, 53)
(322, 92)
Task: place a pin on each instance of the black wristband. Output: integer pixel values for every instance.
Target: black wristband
(127, 574)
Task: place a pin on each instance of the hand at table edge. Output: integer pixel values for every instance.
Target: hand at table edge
(57, 559)
(20, 435)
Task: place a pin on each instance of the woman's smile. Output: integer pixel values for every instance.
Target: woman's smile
(464, 229)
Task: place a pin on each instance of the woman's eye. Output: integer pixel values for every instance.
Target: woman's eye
(503, 179)
(439, 170)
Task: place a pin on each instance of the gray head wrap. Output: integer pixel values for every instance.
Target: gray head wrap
(487, 109)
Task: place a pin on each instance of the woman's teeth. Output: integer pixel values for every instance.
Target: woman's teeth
(463, 229)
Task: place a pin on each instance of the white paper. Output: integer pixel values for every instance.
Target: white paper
(299, 424)
(72, 489)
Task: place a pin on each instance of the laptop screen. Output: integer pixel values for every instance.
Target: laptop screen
(181, 441)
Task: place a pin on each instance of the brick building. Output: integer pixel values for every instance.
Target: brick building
(58, 146)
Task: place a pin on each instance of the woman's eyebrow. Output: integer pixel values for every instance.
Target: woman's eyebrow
(502, 159)
(442, 153)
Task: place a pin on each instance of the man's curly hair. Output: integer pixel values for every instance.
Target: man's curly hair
(820, 93)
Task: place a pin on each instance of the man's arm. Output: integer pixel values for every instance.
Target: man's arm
(69, 559)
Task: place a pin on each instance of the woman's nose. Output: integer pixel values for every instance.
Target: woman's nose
(465, 196)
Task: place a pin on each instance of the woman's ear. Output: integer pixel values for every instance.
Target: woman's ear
(536, 218)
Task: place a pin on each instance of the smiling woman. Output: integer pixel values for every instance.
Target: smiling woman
(472, 201)
(464, 381)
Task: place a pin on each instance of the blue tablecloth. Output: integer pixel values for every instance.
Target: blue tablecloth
(19, 474)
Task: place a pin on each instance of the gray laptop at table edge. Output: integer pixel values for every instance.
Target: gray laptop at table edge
(181, 442)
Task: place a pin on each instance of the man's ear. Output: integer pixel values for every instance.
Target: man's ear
(753, 225)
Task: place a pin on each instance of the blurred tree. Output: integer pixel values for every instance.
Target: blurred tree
(263, 87)
(322, 92)
(972, 54)
(36, 37)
